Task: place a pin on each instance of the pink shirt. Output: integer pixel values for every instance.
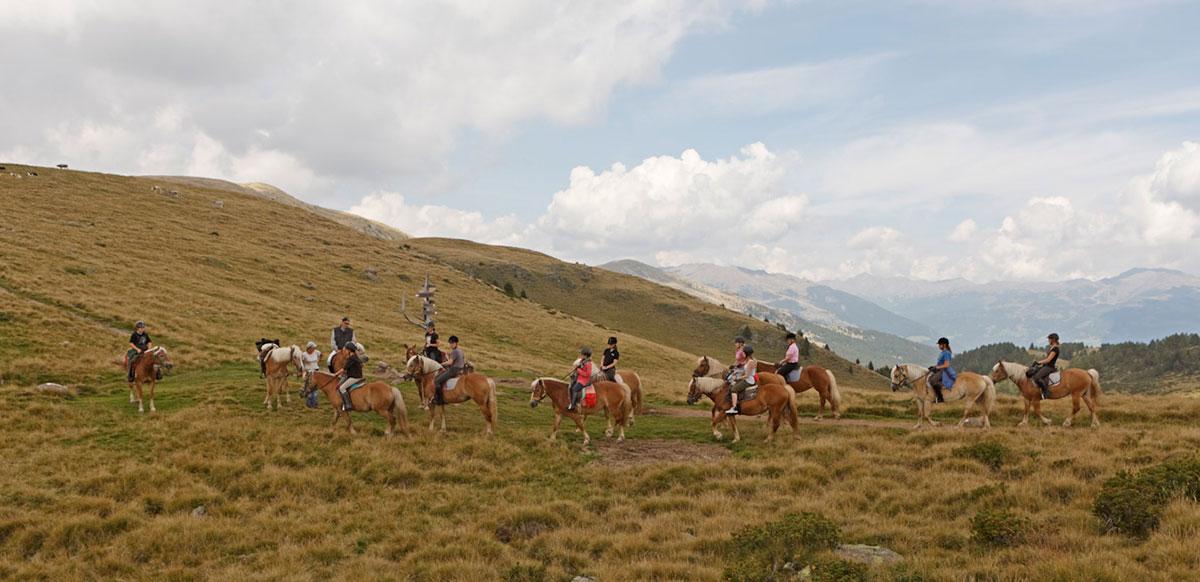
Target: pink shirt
(739, 357)
(793, 354)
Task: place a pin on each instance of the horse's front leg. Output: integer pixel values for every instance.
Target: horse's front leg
(716, 419)
(737, 436)
(1025, 418)
(153, 384)
(138, 385)
(920, 412)
(557, 422)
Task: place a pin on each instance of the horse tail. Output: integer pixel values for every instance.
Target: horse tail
(1094, 389)
(791, 415)
(491, 401)
(835, 395)
(626, 408)
(399, 411)
(637, 396)
(989, 395)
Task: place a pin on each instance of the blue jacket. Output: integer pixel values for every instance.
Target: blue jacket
(948, 374)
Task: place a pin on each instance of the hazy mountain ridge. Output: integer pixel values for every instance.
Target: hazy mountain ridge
(1137, 305)
(852, 342)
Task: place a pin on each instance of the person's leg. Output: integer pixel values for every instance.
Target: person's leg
(439, 384)
(131, 358)
(1042, 380)
(935, 382)
(344, 392)
(735, 392)
(575, 392)
(786, 369)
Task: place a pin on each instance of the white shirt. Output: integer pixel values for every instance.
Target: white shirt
(312, 362)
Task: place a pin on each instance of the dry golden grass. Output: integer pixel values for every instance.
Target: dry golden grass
(92, 490)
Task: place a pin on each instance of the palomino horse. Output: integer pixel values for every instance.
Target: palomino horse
(145, 369)
(470, 386)
(969, 386)
(1078, 383)
(811, 377)
(612, 399)
(775, 398)
(634, 382)
(378, 396)
(278, 359)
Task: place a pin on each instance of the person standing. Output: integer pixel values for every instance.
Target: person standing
(341, 335)
(311, 358)
(608, 365)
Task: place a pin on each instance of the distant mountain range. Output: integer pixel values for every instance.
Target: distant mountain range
(825, 315)
(885, 319)
(1137, 305)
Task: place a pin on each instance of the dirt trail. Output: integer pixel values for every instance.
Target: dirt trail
(827, 421)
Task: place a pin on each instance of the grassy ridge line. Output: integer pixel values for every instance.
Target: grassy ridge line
(629, 304)
(209, 280)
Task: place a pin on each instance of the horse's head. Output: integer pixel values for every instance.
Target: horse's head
(410, 351)
(694, 393)
(414, 366)
(702, 367)
(900, 377)
(999, 372)
(162, 360)
(537, 392)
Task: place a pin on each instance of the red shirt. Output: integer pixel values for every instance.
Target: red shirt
(585, 374)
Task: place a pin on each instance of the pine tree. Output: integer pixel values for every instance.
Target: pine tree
(870, 365)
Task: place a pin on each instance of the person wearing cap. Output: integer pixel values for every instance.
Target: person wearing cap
(139, 343)
(608, 365)
(456, 360)
(748, 379)
(351, 372)
(1048, 365)
(941, 375)
(581, 376)
(791, 358)
(311, 358)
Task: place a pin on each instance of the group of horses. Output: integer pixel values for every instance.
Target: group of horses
(620, 400)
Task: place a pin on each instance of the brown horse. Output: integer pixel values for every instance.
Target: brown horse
(812, 377)
(278, 359)
(633, 381)
(466, 387)
(338, 359)
(775, 398)
(145, 369)
(971, 387)
(1079, 384)
(378, 396)
(612, 399)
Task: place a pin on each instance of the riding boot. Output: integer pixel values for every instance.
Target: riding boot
(575, 394)
(346, 405)
(937, 391)
(438, 397)
(158, 374)
(1045, 390)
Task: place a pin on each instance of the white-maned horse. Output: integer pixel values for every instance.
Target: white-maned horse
(1079, 384)
(278, 360)
(972, 387)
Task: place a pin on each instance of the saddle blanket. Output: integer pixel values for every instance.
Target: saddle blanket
(1054, 379)
(589, 396)
(749, 394)
(451, 383)
(357, 385)
(795, 375)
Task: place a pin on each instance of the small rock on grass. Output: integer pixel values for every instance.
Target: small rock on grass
(865, 554)
(57, 389)
(199, 511)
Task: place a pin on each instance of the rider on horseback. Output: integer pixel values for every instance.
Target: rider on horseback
(432, 351)
(139, 343)
(352, 371)
(608, 366)
(1040, 370)
(739, 359)
(791, 358)
(941, 375)
(581, 376)
(456, 360)
(746, 378)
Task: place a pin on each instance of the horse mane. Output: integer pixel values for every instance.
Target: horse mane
(544, 379)
(708, 385)
(427, 365)
(1009, 368)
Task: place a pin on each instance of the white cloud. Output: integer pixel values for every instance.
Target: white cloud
(1166, 202)
(964, 231)
(433, 220)
(362, 90)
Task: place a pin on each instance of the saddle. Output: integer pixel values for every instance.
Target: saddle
(794, 376)
(1054, 378)
(451, 383)
(356, 385)
(748, 394)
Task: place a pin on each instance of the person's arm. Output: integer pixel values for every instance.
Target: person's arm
(1049, 356)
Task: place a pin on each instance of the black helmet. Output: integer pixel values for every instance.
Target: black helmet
(139, 325)
(748, 350)
(350, 346)
(612, 341)
(585, 351)
(739, 340)
(943, 340)
(791, 335)
(1052, 336)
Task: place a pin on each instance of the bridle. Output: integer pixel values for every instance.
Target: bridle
(533, 402)
(908, 380)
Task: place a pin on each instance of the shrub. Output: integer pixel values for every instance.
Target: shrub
(759, 552)
(992, 454)
(1133, 504)
(998, 527)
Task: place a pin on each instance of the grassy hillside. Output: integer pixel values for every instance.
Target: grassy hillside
(214, 487)
(1165, 365)
(628, 304)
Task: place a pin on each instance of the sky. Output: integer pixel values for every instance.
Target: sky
(986, 139)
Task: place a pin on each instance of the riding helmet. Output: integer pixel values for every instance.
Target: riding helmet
(350, 346)
(585, 351)
(748, 350)
(1053, 336)
(943, 341)
(139, 325)
(612, 341)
